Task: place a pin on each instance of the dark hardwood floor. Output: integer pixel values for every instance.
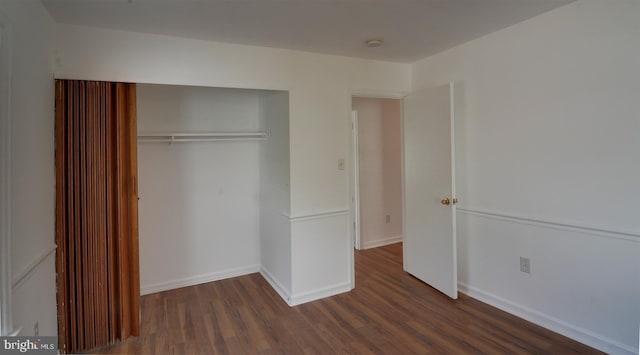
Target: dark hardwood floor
(389, 312)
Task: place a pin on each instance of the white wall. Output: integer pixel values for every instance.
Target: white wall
(319, 104)
(318, 84)
(320, 256)
(548, 168)
(32, 166)
(380, 170)
(199, 202)
(275, 229)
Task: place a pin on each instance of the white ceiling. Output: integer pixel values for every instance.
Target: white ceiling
(411, 29)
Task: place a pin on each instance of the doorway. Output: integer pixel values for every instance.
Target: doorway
(427, 180)
(377, 171)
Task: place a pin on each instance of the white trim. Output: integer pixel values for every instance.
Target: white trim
(572, 331)
(454, 194)
(5, 178)
(597, 231)
(28, 271)
(221, 84)
(382, 242)
(402, 184)
(355, 195)
(276, 285)
(324, 292)
(311, 216)
(377, 94)
(294, 300)
(184, 137)
(198, 279)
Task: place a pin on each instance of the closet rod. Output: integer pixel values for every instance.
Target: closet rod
(201, 137)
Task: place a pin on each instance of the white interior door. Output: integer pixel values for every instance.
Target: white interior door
(429, 195)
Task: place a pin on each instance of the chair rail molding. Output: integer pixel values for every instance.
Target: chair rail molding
(560, 225)
(25, 274)
(318, 215)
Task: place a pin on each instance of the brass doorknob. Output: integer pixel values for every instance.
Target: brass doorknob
(446, 201)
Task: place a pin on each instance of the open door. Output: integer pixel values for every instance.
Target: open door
(429, 188)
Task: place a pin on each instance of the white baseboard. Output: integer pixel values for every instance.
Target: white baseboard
(198, 279)
(313, 295)
(15, 332)
(381, 242)
(276, 285)
(294, 300)
(569, 330)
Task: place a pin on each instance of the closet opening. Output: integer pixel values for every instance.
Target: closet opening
(213, 169)
(203, 171)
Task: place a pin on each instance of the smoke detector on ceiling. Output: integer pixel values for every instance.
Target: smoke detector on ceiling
(372, 43)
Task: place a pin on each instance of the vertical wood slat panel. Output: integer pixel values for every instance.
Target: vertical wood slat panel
(77, 245)
(96, 214)
(91, 118)
(95, 180)
(83, 236)
(132, 132)
(119, 193)
(81, 268)
(91, 236)
(110, 215)
(63, 251)
(111, 273)
(102, 216)
(123, 210)
(100, 329)
(71, 221)
(77, 233)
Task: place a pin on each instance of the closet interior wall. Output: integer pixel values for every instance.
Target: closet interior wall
(205, 205)
(275, 202)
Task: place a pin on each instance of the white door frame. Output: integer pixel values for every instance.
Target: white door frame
(6, 326)
(355, 196)
(353, 184)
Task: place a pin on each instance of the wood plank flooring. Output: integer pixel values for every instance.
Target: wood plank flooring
(389, 312)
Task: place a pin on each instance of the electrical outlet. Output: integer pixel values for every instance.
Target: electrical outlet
(525, 265)
(388, 219)
(36, 329)
(340, 164)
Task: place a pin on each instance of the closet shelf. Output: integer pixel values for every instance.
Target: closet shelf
(201, 137)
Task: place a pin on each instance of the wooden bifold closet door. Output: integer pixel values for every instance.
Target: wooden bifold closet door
(96, 214)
